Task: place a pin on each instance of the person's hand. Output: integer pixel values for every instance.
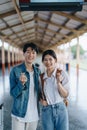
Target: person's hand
(59, 76)
(23, 78)
(43, 102)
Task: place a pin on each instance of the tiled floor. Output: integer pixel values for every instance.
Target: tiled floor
(77, 105)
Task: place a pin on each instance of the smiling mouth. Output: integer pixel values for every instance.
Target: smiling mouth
(48, 65)
(30, 58)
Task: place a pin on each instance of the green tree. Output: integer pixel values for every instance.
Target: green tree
(74, 49)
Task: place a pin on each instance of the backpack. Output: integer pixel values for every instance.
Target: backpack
(42, 95)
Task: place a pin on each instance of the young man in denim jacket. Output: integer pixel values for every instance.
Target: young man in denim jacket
(24, 88)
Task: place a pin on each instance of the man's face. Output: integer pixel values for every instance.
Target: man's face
(30, 55)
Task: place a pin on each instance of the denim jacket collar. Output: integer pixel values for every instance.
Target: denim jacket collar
(25, 70)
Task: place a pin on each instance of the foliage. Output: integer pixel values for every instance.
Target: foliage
(74, 50)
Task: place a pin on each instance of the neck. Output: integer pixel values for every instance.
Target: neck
(29, 66)
(49, 72)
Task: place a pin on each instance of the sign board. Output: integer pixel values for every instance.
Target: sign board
(51, 5)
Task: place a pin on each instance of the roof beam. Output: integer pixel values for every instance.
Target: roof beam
(57, 33)
(6, 38)
(56, 24)
(67, 40)
(22, 31)
(20, 17)
(70, 16)
(13, 12)
(17, 24)
(11, 29)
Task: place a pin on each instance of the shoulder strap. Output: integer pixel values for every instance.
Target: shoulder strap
(42, 82)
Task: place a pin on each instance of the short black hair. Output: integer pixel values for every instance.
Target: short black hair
(49, 52)
(32, 45)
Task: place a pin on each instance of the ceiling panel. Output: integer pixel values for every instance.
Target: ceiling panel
(46, 28)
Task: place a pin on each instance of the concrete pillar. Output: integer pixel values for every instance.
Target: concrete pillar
(9, 58)
(21, 57)
(12, 56)
(78, 58)
(69, 56)
(3, 58)
(17, 55)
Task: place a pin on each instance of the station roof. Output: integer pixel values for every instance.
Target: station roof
(44, 28)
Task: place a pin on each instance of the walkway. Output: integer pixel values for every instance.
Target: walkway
(77, 105)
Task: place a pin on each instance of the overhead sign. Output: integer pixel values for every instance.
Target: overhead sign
(51, 5)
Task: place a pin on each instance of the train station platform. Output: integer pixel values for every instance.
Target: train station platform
(77, 101)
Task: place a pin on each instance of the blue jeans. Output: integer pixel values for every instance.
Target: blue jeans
(55, 117)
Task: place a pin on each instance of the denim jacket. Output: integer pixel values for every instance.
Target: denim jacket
(19, 92)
